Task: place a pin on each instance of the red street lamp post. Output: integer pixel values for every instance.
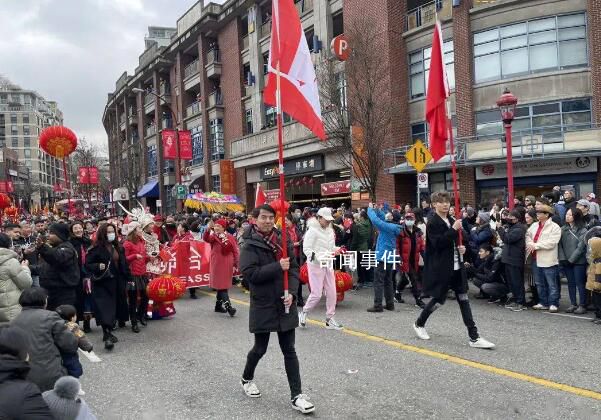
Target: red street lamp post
(507, 103)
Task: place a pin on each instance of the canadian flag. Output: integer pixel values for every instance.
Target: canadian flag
(260, 197)
(299, 93)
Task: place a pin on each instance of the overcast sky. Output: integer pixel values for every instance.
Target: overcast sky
(73, 51)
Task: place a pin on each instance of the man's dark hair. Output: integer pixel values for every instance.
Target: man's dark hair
(363, 215)
(33, 297)
(11, 226)
(486, 247)
(5, 241)
(265, 207)
(66, 312)
(185, 226)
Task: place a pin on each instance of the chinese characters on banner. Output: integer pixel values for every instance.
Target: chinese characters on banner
(169, 151)
(197, 257)
(228, 177)
(6, 187)
(271, 195)
(87, 175)
(338, 187)
(185, 145)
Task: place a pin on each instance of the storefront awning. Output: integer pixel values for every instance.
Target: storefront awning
(150, 190)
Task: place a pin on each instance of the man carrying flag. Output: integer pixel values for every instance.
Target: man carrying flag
(443, 265)
(292, 88)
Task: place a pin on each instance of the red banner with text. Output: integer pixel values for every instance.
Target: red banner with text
(93, 175)
(191, 264)
(185, 145)
(334, 188)
(169, 147)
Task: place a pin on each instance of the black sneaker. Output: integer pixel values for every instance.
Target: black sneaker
(420, 303)
(389, 307)
(375, 309)
(398, 298)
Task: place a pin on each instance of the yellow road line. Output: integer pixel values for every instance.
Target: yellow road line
(583, 392)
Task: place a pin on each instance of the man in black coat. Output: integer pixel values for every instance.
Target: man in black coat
(58, 266)
(513, 236)
(444, 270)
(19, 398)
(263, 266)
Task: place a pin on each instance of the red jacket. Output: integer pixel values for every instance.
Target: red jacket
(403, 247)
(137, 267)
(224, 257)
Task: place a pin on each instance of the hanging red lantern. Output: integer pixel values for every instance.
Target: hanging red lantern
(58, 141)
(4, 201)
(344, 281)
(297, 182)
(311, 181)
(303, 274)
(166, 288)
(275, 204)
(305, 180)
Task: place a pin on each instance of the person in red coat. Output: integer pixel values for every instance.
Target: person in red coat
(184, 234)
(224, 258)
(411, 246)
(136, 257)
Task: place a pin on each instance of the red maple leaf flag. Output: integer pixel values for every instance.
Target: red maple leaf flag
(438, 92)
(260, 197)
(298, 84)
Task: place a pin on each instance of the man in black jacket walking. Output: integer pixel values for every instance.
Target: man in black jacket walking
(58, 266)
(263, 266)
(444, 270)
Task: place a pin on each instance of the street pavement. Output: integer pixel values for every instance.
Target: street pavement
(189, 367)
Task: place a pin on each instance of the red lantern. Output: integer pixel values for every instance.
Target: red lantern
(166, 288)
(305, 180)
(58, 141)
(297, 182)
(344, 281)
(4, 201)
(311, 181)
(303, 274)
(339, 297)
(275, 204)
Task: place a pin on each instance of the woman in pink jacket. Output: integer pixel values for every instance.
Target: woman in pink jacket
(224, 258)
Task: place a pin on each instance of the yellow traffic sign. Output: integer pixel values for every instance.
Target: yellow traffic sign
(418, 156)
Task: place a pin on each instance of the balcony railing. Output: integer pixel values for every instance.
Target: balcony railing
(540, 143)
(425, 14)
(267, 139)
(213, 56)
(191, 69)
(265, 29)
(192, 109)
(164, 89)
(150, 130)
(479, 3)
(149, 98)
(122, 119)
(304, 6)
(215, 98)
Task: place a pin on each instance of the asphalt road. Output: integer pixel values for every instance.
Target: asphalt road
(189, 367)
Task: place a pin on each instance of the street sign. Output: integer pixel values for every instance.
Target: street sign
(422, 180)
(418, 156)
(181, 192)
(340, 47)
(159, 203)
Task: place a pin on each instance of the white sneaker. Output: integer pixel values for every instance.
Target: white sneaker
(250, 389)
(81, 392)
(540, 307)
(481, 343)
(553, 308)
(302, 319)
(302, 404)
(421, 332)
(332, 324)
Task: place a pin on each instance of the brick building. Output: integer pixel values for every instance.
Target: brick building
(210, 70)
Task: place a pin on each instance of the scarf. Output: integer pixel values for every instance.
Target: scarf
(271, 239)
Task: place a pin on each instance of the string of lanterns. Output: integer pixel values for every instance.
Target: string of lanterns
(297, 182)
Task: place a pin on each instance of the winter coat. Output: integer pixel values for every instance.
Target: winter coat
(20, 398)
(318, 242)
(547, 244)
(404, 248)
(594, 209)
(593, 279)
(514, 244)
(105, 291)
(362, 234)
(58, 266)
(47, 337)
(387, 235)
(263, 272)
(572, 248)
(479, 235)
(488, 270)
(13, 279)
(439, 261)
(137, 267)
(224, 257)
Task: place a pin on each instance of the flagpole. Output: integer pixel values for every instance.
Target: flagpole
(282, 209)
(454, 169)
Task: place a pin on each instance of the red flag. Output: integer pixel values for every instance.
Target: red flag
(289, 50)
(438, 92)
(260, 197)
(169, 151)
(185, 145)
(93, 175)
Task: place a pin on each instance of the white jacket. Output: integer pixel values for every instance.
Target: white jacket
(14, 278)
(319, 241)
(547, 244)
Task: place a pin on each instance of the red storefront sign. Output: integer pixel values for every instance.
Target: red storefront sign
(334, 188)
(271, 195)
(169, 150)
(185, 145)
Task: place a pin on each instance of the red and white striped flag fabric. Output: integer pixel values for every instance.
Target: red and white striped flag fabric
(436, 102)
(299, 92)
(260, 197)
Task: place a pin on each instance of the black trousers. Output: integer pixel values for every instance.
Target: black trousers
(464, 306)
(61, 296)
(413, 277)
(384, 284)
(286, 339)
(137, 308)
(596, 297)
(222, 296)
(364, 275)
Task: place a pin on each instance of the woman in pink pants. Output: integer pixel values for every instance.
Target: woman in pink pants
(320, 249)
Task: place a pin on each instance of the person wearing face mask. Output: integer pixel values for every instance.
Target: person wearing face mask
(411, 246)
(170, 227)
(232, 227)
(84, 290)
(513, 235)
(107, 267)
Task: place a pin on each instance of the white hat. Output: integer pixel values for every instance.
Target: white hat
(591, 195)
(326, 213)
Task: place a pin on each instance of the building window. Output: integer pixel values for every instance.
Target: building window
(553, 43)
(419, 69)
(3, 99)
(27, 153)
(14, 130)
(26, 131)
(337, 24)
(13, 118)
(216, 183)
(27, 141)
(265, 63)
(309, 37)
(419, 132)
(217, 147)
(151, 160)
(341, 86)
(271, 117)
(246, 73)
(197, 146)
(26, 117)
(14, 141)
(548, 119)
(248, 119)
(442, 181)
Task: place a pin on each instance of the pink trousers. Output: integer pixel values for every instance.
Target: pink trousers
(321, 280)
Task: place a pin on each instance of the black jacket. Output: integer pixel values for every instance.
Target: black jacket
(58, 266)
(19, 398)
(488, 270)
(514, 244)
(265, 277)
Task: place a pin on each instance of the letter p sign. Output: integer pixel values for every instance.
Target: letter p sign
(340, 47)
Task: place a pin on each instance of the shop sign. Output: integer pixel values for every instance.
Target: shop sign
(364, 196)
(294, 167)
(120, 194)
(228, 177)
(541, 167)
(356, 196)
(335, 188)
(271, 195)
